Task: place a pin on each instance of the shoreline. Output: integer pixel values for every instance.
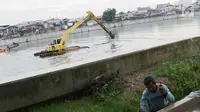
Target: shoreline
(45, 36)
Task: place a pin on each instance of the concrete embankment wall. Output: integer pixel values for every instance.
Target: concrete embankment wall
(33, 90)
(86, 29)
(190, 103)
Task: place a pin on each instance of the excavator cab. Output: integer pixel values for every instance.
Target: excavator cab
(56, 42)
(56, 45)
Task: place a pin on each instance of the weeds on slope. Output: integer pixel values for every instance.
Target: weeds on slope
(182, 71)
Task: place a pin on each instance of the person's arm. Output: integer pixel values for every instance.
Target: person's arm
(144, 102)
(170, 97)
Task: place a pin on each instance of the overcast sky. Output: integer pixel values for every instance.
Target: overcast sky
(15, 11)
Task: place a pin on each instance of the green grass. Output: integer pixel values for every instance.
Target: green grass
(111, 99)
(183, 72)
(121, 103)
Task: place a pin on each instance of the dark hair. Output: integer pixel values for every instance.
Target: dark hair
(148, 80)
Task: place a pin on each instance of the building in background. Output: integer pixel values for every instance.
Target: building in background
(166, 8)
(143, 10)
(185, 2)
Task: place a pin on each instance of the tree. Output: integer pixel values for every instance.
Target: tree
(109, 14)
(121, 13)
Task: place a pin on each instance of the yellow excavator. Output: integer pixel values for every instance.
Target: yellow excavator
(58, 46)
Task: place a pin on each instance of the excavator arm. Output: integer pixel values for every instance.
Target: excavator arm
(90, 14)
(102, 26)
(63, 37)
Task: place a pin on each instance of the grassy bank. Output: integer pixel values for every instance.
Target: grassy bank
(183, 73)
(109, 98)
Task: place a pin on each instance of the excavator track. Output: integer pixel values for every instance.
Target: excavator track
(43, 54)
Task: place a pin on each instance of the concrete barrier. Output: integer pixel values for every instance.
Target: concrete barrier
(45, 86)
(33, 90)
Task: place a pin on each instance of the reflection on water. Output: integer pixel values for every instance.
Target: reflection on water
(20, 60)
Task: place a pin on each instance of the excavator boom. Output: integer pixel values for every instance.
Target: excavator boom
(63, 37)
(102, 26)
(90, 14)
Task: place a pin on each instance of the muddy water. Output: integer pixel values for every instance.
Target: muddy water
(20, 62)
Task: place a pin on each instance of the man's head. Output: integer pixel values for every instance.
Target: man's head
(150, 83)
